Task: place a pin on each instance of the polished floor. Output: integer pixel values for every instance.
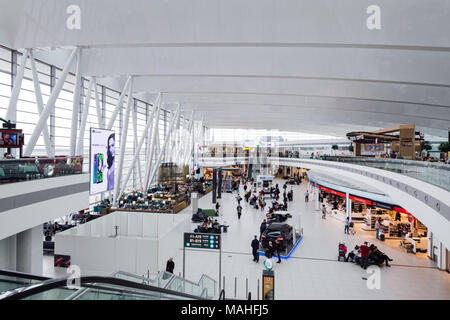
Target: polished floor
(313, 271)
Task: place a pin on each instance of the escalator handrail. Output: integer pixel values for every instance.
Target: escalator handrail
(24, 292)
(22, 275)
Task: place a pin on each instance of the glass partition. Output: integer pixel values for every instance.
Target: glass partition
(25, 169)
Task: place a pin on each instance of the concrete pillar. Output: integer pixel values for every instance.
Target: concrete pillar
(348, 206)
(194, 202)
(8, 253)
(356, 149)
(29, 251)
(316, 197)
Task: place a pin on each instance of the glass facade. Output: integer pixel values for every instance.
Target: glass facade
(60, 119)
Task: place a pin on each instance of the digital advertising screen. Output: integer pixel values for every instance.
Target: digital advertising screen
(102, 160)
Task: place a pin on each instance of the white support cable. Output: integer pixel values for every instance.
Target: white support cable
(123, 143)
(12, 106)
(134, 115)
(139, 147)
(153, 138)
(42, 122)
(40, 104)
(76, 105)
(119, 104)
(101, 123)
(87, 101)
(169, 133)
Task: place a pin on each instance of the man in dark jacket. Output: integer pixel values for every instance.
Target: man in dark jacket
(255, 247)
(278, 249)
(263, 227)
(170, 265)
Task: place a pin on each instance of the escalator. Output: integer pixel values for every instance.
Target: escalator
(119, 286)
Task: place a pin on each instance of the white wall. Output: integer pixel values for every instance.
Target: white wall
(145, 242)
(8, 253)
(23, 218)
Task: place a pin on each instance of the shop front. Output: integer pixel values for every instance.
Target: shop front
(374, 212)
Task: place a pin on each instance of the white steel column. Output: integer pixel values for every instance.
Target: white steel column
(153, 137)
(135, 144)
(11, 114)
(40, 104)
(316, 197)
(42, 122)
(138, 150)
(101, 123)
(190, 140)
(123, 142)
(119, 103)
(166, 141)
(76, 105)
(348, 205)
(87, 101)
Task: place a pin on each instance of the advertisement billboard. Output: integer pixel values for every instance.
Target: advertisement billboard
(102, 160)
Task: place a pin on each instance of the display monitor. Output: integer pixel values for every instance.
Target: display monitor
(102, 160)
(11, 138)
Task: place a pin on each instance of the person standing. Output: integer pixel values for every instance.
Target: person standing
(377, 229)
(347, 224)
(239, 211)
(324, 211)
(255, 247)
(217, 208)
(306, 196)
(364, 249)
(263, 227)
(170, 265)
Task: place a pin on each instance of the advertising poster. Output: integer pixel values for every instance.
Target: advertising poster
(102, 160)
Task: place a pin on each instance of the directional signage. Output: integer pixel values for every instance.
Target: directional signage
(202, 240)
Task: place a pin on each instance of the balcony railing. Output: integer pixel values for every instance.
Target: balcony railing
(16, 170)
(435, 173)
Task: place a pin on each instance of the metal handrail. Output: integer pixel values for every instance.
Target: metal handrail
(23, 275)
(50, 284)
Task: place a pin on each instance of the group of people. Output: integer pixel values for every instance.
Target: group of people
(365, 255)
(271, 250)
(209, 226)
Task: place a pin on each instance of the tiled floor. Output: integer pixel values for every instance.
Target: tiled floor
(313, 271)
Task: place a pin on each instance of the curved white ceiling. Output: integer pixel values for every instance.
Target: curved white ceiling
(292, 65)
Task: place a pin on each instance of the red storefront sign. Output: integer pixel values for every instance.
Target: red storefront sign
(362, 200)
(332, 191)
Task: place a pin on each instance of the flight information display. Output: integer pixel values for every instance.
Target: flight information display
(202, 240)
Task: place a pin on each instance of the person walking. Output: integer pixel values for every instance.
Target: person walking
(238, 198)
(324, 211)
(278, 249)
(306, 196)
(170, 265)
(347, 225)
(255, 247)
(239, 211)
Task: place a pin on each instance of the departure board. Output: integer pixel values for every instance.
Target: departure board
(202, 240)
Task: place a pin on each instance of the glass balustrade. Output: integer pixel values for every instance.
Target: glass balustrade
(24, 169)
(435, 173)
